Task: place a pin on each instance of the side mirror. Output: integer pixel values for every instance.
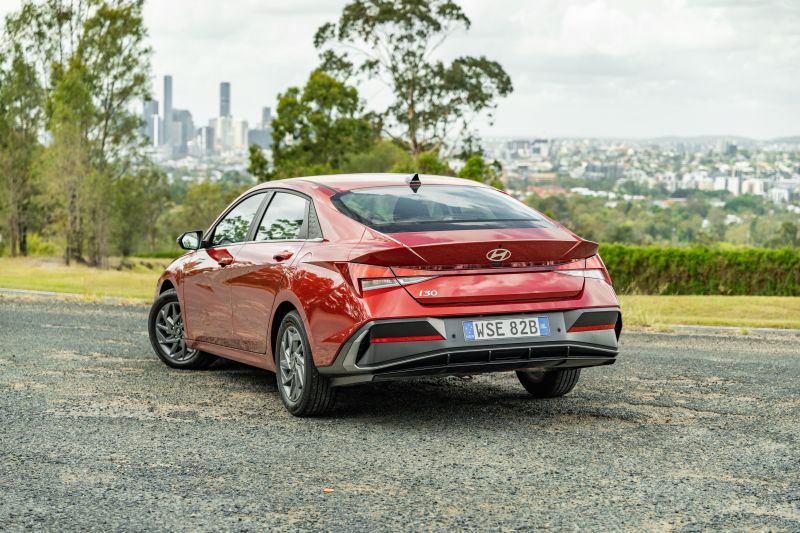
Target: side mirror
(191, 240)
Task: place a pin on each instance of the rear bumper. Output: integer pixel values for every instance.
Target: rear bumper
(360, 360)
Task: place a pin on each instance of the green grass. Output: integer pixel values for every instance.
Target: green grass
(136, 282)
(737, 311)
(139, 282)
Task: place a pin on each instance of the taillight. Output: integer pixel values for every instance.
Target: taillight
(365, 278)
(592, 267)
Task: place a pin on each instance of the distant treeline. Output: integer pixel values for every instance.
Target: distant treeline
(705, 271)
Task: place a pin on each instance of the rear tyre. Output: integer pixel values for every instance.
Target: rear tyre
(167, 336)
(303, 390)
(549, 384)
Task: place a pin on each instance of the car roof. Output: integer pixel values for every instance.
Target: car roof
(347, 182)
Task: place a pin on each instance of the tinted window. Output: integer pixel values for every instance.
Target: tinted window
(233, 228)
(436, 208)
(283, 219)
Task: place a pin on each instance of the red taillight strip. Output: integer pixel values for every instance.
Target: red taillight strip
(576, 329)
(409, 339)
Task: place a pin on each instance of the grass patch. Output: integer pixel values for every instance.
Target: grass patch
(737, 311)
(136, 280)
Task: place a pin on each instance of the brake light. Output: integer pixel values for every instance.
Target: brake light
(365, 278)
(592, 267)
(576, 329)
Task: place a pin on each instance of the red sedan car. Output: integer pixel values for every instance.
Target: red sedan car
(336, 280)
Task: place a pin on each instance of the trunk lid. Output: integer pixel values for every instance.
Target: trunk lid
(463, 264)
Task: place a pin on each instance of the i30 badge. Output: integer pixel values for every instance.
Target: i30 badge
(498, 254)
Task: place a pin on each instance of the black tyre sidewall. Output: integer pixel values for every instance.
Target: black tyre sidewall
(552, 384)
(293, 319)
(318, 396)
(200, 359)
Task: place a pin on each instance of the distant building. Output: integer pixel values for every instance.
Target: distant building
(261, 137)
(754, 187)
(167, 109)
(540, 147)
(779, 195)
(150, 122)
(225, 99)
(266, 118)
(229, 134)
(182, 131)
(603, 170)
(734, 186)
(203, 142)
(240, 129)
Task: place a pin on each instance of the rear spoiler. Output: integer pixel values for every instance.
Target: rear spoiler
(582, 250)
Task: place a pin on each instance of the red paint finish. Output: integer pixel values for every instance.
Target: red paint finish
(230, 294)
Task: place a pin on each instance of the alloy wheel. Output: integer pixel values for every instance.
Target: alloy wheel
(170, 334)
(292, 364)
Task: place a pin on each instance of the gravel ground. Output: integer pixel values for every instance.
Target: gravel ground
(685, 432)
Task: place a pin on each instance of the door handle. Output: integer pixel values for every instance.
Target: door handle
(225, 261)
(283, 256)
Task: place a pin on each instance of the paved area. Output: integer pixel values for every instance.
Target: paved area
(685, 432)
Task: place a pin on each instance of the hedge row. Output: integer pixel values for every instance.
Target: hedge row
(749, 271)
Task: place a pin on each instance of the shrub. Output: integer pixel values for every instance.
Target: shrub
(744, 271)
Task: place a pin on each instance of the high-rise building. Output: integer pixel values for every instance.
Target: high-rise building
(182, 131)
(224, 99)
(266, 118)
(150, 122)
(260, 137)
(167, 108)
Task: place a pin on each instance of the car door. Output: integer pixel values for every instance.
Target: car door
(263, 266)
(207, 277)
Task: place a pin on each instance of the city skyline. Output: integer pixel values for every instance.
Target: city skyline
(581, 68)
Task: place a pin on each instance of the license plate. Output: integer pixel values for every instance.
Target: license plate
(506, 328)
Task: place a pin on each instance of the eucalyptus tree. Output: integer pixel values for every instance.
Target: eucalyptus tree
(99, 47)
(396, 42)
(20, 121)
(319, 127)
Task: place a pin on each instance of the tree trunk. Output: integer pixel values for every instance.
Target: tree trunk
(23, 238)
(14, 236)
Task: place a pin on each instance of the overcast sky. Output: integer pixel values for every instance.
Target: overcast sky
(610, 68)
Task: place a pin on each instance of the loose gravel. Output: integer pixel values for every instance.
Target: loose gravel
(685, 432)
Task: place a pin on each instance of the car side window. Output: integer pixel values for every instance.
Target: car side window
(234, 227)
(284, 218)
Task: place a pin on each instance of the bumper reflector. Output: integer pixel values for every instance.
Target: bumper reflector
(576, 329)
(409, 339)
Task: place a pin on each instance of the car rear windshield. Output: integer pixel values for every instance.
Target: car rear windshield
(399, 209)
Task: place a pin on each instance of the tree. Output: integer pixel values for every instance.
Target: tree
(383, 156)
(789, 234)
(91, 54)
(394, 41)
(319, 128)
(477, 169)
(425, 163)
(66, 162)
(204, 201)
(258, 166)
(20, 119)
(140, 203)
